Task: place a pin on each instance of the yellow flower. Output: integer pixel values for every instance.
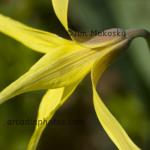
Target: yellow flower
(62, 68)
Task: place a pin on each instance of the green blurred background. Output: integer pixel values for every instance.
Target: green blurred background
(125, 86)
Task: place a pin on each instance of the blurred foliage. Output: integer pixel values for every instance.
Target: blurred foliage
(125, 86)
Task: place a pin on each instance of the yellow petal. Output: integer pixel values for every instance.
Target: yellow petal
(48, 106)
(61, 10)
(108, 121)
(63, 67)
(50, 103)
(35, 39)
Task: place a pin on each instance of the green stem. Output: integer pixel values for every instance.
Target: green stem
(134, 33)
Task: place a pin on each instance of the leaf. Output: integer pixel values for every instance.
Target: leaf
(50, 103)
(35, 39)
(107, 120)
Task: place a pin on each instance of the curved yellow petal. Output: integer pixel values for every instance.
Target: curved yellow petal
(61, 10)
(50, 103)
(107, 120)
(63, 67)
(35, 39)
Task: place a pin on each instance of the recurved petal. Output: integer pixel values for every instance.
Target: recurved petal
(50, 103)
(61, 10)
(35, 39)
(65, 66)
(107, 120)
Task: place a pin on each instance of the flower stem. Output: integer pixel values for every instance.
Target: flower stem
(134, 33)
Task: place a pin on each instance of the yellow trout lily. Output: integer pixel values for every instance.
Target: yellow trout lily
(63, 67)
